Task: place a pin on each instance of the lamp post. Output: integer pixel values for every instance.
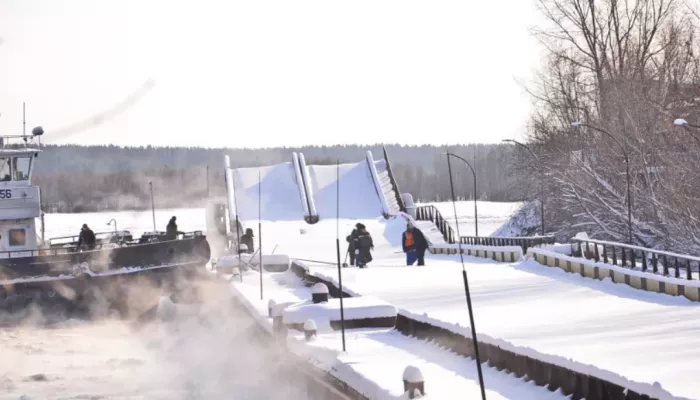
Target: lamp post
(539, 163)
(627, 172)
(466, 286)
(476, 215)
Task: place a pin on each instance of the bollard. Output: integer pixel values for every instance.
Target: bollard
(270, 305)
(413, 382)
(237, 274)
(309, 329)
(278, 328)
(319, 293)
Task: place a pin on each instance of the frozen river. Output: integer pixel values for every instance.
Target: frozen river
(217, 354)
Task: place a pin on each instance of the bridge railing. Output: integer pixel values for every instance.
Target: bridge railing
(431, 213)
(638, 258)
(523, 242)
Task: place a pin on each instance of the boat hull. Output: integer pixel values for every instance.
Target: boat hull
(127, 280)
(56, 262)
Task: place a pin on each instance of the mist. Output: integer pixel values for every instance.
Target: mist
(211, 350)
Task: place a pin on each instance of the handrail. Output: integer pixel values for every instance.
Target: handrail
(386, 212)
(524, 242)
(627, 256)
(110, 234)
(431, 213)
(64, 249)
(301, 186)
(394, 184)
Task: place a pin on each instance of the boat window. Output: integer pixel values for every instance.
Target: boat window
(21, 166)
(18, 237)
(5, 169)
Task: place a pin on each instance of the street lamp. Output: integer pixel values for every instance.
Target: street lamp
(684, 123)
(680, 122)
(476, 218)
(466, 284)
(541, 167)
(627, 164)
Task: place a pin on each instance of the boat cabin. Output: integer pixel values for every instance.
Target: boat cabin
(20, 201)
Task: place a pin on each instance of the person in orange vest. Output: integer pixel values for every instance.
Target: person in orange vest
(414, 245)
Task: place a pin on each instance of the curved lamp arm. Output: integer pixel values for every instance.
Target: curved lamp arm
(522, 145)
(465, 161)
(604, 132)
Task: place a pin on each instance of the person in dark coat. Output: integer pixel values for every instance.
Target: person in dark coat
(414, 245)
(171, 231)
(247, 239)
(351, 243)
(86, 240)
(364, 245)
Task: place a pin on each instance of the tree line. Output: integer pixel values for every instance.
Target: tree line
(95, 178)
(616, 76)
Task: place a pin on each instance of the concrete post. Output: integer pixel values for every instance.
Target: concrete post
(319, 293)
(270, 305)
(309, 330)
(237, 274)
(413, 382)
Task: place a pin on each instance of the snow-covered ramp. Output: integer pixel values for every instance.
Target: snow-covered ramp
(359, 197)
(270, 193)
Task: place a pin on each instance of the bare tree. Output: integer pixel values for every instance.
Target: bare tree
(627, 68)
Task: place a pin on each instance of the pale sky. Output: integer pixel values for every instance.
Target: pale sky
(268, 73)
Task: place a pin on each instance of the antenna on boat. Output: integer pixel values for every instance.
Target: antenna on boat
(24, 120)
(153, 207)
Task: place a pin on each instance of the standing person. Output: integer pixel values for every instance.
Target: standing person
(351, 238)
(363, 244)
(247, 239)
(171, 231)
(414, 245)
(86, 240)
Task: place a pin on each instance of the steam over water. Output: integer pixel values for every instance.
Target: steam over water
(212, 351)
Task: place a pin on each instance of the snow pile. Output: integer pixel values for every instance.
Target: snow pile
(559, 248)
(524, 222)
(354, 308)
(244, 260)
